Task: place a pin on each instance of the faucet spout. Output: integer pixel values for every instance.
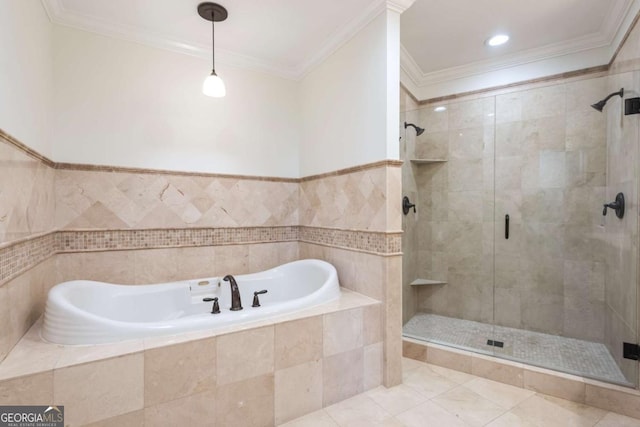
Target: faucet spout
(236, 304)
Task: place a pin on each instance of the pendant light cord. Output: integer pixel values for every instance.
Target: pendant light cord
(213, 44)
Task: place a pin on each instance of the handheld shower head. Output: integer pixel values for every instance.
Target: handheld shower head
(419, 130)
(600, 104)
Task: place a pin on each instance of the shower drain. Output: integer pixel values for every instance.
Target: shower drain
(495, 343)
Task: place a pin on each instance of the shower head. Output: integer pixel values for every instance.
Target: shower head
(419, 130)
(600, 104)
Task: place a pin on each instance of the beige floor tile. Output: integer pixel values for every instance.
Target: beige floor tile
(132, 419)
(504, 395)
(396, 399)
(469, 406)
(427, 382)
(315, 419)
(359, 410)
(550, 411)
(512, 420)
(429, 414)
(410, 364)
(616, 420)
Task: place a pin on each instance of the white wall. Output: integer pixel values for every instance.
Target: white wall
(346, 99)
(26, 73)
(123, 104)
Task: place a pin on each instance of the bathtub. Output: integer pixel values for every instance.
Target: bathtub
(87, 312)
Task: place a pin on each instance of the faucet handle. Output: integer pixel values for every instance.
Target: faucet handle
(256, 301)
(216, 307)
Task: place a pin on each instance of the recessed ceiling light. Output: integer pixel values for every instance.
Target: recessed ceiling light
(497, 40)
(440, 109)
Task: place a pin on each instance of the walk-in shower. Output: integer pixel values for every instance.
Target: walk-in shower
(558, 288)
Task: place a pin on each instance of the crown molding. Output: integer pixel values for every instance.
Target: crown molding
(601, 45)
(340, 37)
(399, 6)
(61, 16)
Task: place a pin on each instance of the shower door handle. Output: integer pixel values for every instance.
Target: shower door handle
(506, 226)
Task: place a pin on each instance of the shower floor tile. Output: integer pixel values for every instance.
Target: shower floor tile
(570, 355)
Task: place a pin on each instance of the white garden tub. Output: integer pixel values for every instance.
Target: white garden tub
(88, 312)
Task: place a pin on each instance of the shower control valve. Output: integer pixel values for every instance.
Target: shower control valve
(617, 205)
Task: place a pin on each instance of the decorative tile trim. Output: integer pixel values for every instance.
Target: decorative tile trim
(8, 139)
(354, 169)
(121, 169)
(101, 240)
(548, 79)
(386, 243)
(19, 256)
(25, 254)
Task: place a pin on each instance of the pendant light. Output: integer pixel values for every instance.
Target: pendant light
(213, 85)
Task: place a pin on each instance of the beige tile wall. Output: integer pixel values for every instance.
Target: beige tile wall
(22, 302)
(163, 265)
(219, 380)
(376, 275)
(26, 194)
(120, 200)
(357, 201)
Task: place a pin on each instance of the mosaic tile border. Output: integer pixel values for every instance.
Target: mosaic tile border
(100, 240)
(20, 256)
(382, 243)
(25, 254)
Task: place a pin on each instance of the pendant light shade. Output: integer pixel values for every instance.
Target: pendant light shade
(213, 85)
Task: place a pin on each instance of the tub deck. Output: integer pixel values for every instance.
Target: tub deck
(33, 355)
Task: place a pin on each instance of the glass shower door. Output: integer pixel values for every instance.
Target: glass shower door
(550, 264)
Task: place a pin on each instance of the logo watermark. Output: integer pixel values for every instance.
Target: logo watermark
(32, 416)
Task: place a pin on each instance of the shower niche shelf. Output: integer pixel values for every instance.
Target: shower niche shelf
(426, 282)
(427, 161)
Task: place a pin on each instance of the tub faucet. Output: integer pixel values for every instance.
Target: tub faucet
(236, 304)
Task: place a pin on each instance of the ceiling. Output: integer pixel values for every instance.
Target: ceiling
(441, 39)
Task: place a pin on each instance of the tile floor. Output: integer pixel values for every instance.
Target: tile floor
(584, 358)
(434, 396)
